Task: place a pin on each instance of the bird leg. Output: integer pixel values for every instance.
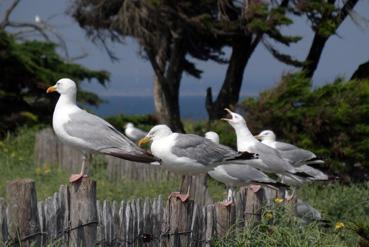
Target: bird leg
(76, 177)
(290, 197)
(182, 197)
(229, 200)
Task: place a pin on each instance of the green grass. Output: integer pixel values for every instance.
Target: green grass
(338, 203)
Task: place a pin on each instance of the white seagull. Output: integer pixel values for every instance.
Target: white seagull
(189, 154)
(298, 157)
(89, 133)
(134, 133)
(233, 175)
(295, 155)
(270, 160)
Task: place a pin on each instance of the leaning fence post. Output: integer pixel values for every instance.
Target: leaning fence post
(23, 221)
(83, 213)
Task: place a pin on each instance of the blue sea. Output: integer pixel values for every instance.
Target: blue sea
(191, 107)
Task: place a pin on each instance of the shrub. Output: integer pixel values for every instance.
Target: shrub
(332, 120)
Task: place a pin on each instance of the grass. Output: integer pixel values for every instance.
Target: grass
(338, 203)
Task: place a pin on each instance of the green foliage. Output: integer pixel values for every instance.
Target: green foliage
(331, 120)
(27, 69)
(279, 228)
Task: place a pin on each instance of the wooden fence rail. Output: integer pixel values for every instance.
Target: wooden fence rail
(73, 217)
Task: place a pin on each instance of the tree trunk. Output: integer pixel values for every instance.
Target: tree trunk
(159, 102)
(315, 52)
(316, 49)
(229, 94)
(168, 71)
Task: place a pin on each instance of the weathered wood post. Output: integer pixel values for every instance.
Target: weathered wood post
(198, 189)
(225, 218)
(23, 221)
(3, 222)
(83, 213)
(177, 226)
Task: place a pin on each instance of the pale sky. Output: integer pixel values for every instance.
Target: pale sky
(132, 75)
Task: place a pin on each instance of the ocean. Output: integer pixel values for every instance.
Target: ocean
(191, 107)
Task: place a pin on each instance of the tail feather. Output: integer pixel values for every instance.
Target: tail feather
(244, 156)
(143, 157)
(275, 184)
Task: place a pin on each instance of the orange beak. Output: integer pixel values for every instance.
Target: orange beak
(143, 141)
(51, 89)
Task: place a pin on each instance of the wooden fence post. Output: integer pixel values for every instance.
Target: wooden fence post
(178, 222)
(225, 218)
(23, 221)
(198, 189)
(3, 222)
(83, 213)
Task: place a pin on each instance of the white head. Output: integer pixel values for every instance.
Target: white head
(64, 86)
(266, 135)
(212, 136)
(157, 132)
(235, 120)
(129, 125)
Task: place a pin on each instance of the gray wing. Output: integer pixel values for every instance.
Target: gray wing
(272, 158)
(202, 150)
(313, 172)
(247, 173)
(283, 146)
(298, 155)
(100, 136)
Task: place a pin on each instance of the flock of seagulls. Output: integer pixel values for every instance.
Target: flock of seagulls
(256, 160)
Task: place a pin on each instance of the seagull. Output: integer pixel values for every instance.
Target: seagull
(189, 154)
(134, 133)
(298, 157)
(233, 175)
(306, 212)
(295, 155)
(89, 133)
(270, 160)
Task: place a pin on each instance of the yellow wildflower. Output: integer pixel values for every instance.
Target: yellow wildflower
(268, 215)
(339, 225)
(278, 200)
(46, 170)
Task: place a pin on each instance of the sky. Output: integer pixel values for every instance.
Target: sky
(132, 75)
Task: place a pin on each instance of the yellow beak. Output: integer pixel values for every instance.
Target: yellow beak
(143, 141)
(51, 89)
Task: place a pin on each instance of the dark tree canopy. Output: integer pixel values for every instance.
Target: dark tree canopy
(27, 69)
(169, 33)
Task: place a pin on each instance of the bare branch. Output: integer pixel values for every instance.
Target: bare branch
(284, 58)
(8, 12)
(32, 26)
